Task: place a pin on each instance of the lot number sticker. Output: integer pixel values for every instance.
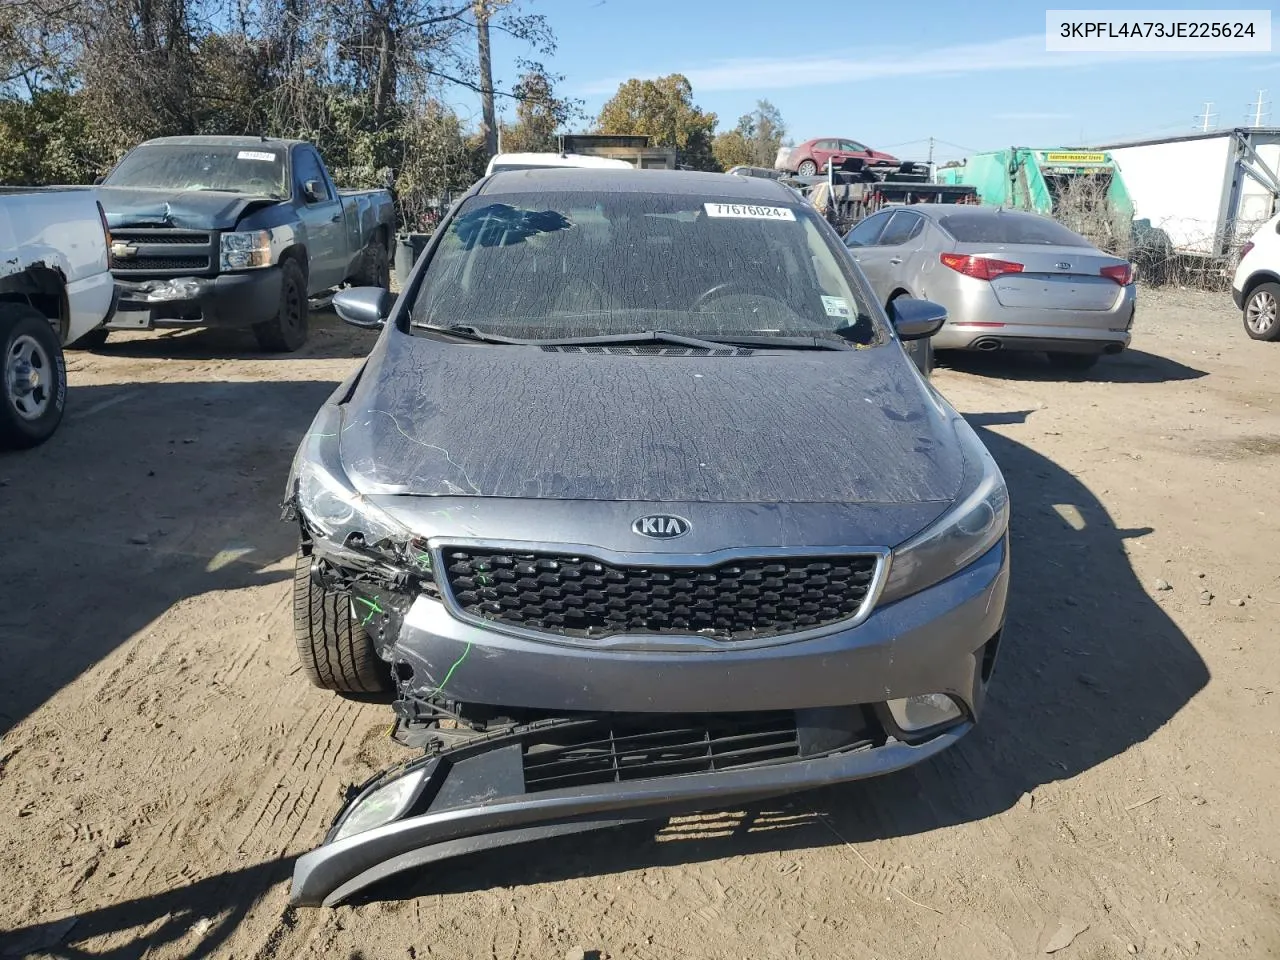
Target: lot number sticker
(255, 155)
(748, 211)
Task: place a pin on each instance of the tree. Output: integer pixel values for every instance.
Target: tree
(540, 115)
(662, 109)
(754, 141)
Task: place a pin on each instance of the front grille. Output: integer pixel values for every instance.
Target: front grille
(576, 596)
(164, 250)
(640, 748)
(159, 263)
(654, 351)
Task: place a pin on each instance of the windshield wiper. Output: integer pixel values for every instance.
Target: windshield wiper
(468, 332)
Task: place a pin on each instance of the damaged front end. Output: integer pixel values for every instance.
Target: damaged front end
(610, 734)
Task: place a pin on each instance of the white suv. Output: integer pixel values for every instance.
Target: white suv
(1256, 287)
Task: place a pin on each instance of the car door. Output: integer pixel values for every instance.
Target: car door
(851, 148)
(886, 262)
(321, 215)
(822, 152)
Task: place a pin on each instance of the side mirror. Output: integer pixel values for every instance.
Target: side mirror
(364, 307)
(916, 319)
(313, 190)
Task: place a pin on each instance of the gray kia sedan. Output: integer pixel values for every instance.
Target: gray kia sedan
(636, 508)
(1010, 280)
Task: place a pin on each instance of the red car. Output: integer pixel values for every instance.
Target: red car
(812, 156)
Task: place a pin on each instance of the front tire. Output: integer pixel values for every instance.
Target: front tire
(334, 651)
(1261, 319)
(807, 168)
(1075, 362)
(33, 378)
(287, 330)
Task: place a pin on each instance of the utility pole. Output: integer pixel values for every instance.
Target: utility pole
(489, 125)
(1260, 113)
(1204, 120)
(931, 159)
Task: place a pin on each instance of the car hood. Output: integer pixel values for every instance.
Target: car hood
(192, 209)
(858, 426)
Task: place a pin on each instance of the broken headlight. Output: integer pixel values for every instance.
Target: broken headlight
(969, 529)
(334, 512)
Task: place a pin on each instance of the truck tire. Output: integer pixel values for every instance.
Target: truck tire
(1262, 312)
(377, 266)
(33, 377)
(91, 340)
(287, 330)
(334, 650)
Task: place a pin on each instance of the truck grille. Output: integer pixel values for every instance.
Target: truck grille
(641, 748)
(576, 596)
(163, 251)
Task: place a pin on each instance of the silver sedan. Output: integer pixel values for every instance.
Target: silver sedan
(1009, 280)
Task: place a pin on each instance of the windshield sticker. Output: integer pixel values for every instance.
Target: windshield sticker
(255, 155)
(748, 211)
(836, 307)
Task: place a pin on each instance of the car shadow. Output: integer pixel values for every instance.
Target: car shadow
(175, 491)
(1089, 667)
(328, 338)
(1131, 366)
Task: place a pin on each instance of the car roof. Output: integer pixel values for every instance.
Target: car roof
(212, 141)
(678, 182)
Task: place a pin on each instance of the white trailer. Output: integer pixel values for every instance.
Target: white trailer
(1207, 192)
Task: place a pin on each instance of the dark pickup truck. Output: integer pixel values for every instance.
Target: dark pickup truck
(237, 232)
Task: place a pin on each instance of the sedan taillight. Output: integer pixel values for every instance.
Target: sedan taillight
(1244, 251)
(980, 268)
(1121, 273)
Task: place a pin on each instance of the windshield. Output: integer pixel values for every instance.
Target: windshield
(254, 170)
(560, 264)
(979, 226)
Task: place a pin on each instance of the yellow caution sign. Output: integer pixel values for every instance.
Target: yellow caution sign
(1064, 157)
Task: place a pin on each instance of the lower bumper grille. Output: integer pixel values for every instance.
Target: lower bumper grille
(641, 748)
(577, 596)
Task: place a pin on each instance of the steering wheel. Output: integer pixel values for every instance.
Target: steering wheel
(731, 288)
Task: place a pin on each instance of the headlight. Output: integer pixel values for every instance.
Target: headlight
(969, 529)
(331, 508)
(245, 250)
(381, 805)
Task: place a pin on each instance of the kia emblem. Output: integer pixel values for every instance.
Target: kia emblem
(661, 526)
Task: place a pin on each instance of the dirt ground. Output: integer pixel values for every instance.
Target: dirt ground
(163, 761)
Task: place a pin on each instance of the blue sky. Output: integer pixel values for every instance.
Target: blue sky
(973, 76)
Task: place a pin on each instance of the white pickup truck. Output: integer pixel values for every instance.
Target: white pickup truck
(55, 288)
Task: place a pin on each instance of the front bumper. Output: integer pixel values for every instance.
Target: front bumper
(230, 300)
(482, 794)
(446, 822)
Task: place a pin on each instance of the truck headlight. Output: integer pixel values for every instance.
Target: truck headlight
(245, 250)
(967, 531)
(332, 509)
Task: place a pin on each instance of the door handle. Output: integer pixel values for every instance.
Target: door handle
(896, 260)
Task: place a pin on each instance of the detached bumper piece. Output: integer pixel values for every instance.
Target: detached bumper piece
(229, 300)
(563, 776)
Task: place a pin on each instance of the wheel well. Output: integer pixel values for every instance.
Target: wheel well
(900, 292)
(297, 253)
(1257, 279)
(40, 287)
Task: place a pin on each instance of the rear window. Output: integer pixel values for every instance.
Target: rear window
(975, 226)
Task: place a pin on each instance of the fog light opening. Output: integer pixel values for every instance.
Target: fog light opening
(989, 656)
(924, 712)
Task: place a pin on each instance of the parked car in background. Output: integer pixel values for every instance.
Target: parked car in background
(1256, 285)
(237, 232)
(540, 161)
(55, 290)
(747, 171)
(812, 156)
(717, 540)
(1010, 280)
